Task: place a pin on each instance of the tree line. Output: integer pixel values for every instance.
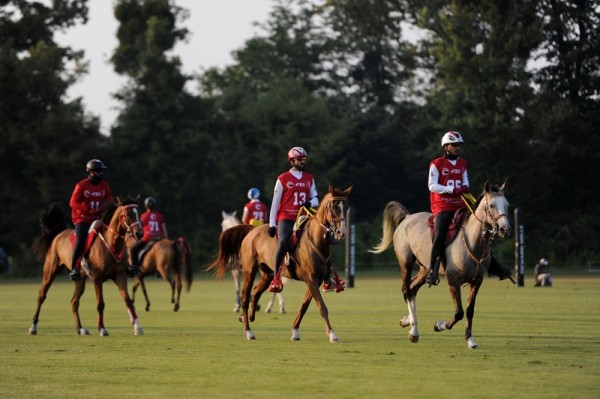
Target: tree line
(343, 79)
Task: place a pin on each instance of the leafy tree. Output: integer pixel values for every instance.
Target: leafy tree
(46, 140)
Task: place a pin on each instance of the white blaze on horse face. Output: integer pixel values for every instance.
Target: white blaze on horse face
(501, 213)
(340, 232)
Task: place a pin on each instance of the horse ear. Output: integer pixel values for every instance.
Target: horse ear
(503, 187)
(331, 189)
(347, 191)
(223, 214)
(486, 186)
(137, 198)
(234, 213)
(119, 201)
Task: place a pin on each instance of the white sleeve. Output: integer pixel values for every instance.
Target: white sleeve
(314, 197)
(277, 193)
(433, 183)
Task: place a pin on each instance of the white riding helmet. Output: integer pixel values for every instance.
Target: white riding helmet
(544, 262)
(296, 152)
(452, 138)
(253, 193)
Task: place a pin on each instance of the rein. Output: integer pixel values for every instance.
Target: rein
(129, 230)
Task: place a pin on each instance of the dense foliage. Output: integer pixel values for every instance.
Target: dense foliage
(368, 87)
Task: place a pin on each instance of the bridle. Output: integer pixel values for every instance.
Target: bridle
(123, 222)
(330, 219)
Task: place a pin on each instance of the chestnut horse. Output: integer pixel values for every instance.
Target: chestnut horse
(230, 220)
(467, 256)
(309, 261)
(165, 257)
(106, 259)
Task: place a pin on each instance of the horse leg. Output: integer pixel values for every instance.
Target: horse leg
(121, 282)
(313, 292)
(139, 280)
(47, 281)
(100, 308)
(410, 287)
(270, 304)
(303, 308)
(281, 303)
(459, 313)
(178, 287)
(263, 284)
(237, 281)
(245, 301)
(471, 344)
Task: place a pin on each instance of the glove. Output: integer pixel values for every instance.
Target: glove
(307, 204)
(272, 231)
(460, 190)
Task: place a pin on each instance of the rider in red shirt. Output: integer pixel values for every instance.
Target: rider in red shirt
(448, 179)
(87, 203)
(293, 189)
(255, 211)
(154, 228)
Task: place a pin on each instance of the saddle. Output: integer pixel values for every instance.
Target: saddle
(454, 227)
(145, 249)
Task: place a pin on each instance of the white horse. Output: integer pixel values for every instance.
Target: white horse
(230, 220)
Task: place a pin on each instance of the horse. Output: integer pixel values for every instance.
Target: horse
(466, 258)
(309, 261)
(163, 257)
(106, 259)
(231, 220)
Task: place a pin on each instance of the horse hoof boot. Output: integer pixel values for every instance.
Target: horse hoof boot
(276, 285)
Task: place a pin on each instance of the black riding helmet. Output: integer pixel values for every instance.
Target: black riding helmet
(150, 202)
(95, 165)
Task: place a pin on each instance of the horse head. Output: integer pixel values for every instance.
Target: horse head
(332, 211)
(229, 220)
(128, 216)
(496, 209)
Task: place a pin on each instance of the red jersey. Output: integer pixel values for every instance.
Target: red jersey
(87, 200)
(295, 193)
(449, 175)
(255, 210)
(152, 224)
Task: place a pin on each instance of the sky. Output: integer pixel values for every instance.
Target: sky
(216, 28)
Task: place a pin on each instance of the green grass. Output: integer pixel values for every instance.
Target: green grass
(534, 343)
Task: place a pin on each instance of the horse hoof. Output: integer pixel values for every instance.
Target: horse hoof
(282, 311)
(413, 338)
(83, 331)
(176, 308)
(249, 335)
(32, 330)
(295, 335)
(333, 338)
(405, 322)
(268, 310)
(103, 332)
(236, 308)
(471, 344)
(138, 331)
(147, 308)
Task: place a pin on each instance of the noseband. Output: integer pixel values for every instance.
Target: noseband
(330, 218)
(129, 227)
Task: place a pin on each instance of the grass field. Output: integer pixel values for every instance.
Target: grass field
(534, 343)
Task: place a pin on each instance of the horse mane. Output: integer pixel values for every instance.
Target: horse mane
(52, 222)
(110, 208)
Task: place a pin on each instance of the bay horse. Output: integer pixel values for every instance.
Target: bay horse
(309, 261)
(231, 220)
(106, 259)
(467, 256)
(164, 257)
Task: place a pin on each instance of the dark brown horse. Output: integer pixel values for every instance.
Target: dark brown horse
(165, 257)
(106, 259)
(310, 260)
(467, 256)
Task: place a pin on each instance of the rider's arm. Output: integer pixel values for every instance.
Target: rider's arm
(433, 182)
(277, 193)
(314, 197)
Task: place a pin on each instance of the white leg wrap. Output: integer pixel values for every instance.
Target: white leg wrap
(295, 335)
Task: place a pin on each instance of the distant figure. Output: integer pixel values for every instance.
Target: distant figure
(255, 211)
(541, 274)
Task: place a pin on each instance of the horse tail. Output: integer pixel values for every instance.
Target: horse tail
(230, 242)
(52, 222)
(186, 252)
(393, 214)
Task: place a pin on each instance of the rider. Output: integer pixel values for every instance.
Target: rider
(87, 201)
(293, 189)
(255, 211)
(448, 179)
(154, 227)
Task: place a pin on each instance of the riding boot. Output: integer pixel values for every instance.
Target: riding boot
(75, 273)
(495, 268)
(432, 277)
